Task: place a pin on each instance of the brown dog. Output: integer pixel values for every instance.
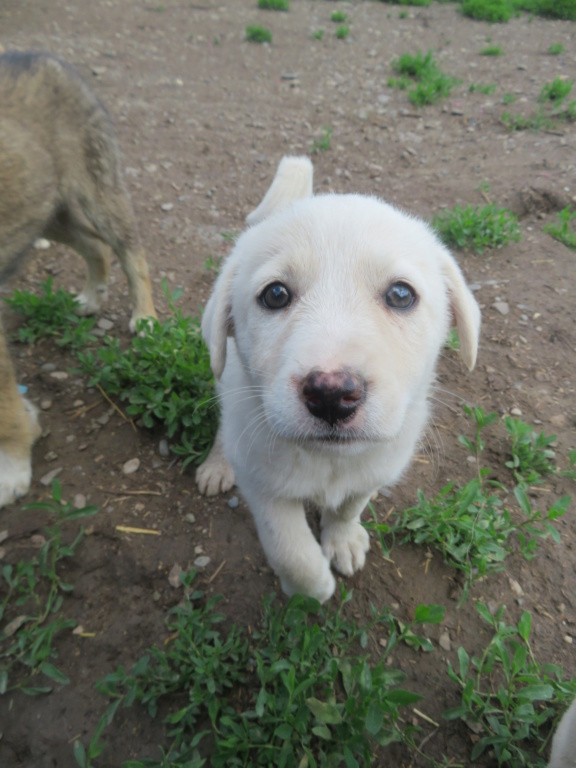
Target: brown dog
(60, 178)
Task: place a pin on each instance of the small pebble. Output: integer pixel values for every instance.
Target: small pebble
(131, 466)
(105, 324)
(42, 244)
(444, 641)
(515, 412)
(46, 404)
(202, 562)
(49, 476)
(48, 367)
(174, 576)
(59, 375)
(79, 501)
(515, 587)
(51, 456)
(190, 518)
(501, 306)
(167, 206)
(233, 502)
(568, 639)
(163, 448)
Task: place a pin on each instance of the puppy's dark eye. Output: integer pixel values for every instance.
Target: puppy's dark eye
(400, 296)
(275, 296)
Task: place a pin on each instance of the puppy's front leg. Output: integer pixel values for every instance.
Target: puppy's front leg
(291, 548)
(215, 475)
(344, 540)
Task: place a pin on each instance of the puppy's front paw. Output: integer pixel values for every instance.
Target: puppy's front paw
(15, 477)
(319, 583)
(345, 546)
(91, 299)
(215, 475)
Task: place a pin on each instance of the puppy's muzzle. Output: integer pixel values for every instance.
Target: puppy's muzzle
(333, 396)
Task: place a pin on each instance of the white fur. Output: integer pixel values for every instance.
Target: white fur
(563, 753)
(15, 477)
(338, 254)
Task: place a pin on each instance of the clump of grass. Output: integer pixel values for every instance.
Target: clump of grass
(508, 98)
(52, 314)
(562, 230)
(274, 5)
(555, 49)
(323, 143)
(338, 16)
(532, 454)
(556, 91)
(421, 3)
(478, 88)
(488, 10)
(553, 9)
(512, 698)
(318, 34)
(257, 34)
(314, 697)
(477, 227)
(30, 609)
(492, 50)
(517, 122)
(421, 72)
(342, 32)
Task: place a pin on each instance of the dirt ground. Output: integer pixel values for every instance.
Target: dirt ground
(203, 118)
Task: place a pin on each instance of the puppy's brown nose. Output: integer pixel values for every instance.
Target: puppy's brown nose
(333, 396)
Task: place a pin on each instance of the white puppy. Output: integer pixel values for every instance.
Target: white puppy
(563, 753)
(324, 329)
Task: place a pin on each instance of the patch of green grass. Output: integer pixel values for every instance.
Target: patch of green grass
(338, 16)
(513, 699)
(563, 230)
(164, 377)
(302, 692)
(470, 525)
(30, 609)
(508, 98)
(342, 32)
(555, 49)
(323, 143)
(532, 453)
(553, 9)
(556, 91)
(478, 88)
(492, 50)
(52, 314)
(257, 34)
(421, 3)
(274, 5)
(476, 227)
(517, 122)
(421, 76)
(318, 34)
(488, 10)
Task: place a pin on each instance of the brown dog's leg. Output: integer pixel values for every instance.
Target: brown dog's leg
(18, 431)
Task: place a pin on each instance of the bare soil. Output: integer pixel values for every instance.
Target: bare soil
(203, 118)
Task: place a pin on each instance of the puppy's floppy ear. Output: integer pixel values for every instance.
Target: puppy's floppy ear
(465, 310)
(217, 323)
(293, 181)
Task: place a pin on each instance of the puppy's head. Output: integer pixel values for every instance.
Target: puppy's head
(340, 306)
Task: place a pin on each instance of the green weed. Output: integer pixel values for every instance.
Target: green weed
(487, 89)
(323, 143)
(488, 10)
(313, 697)
(477, 227)
(556, 91)
(421, 72)
(492, 50)
(508, 98)
(30, 610)
(338, 16)
(554, 9)
(52, 314)
(536, 122)
(513, 698)
(318, 34)
(274, 5)
(164, 377)
(555, 49)
(532, 456)
(562, 230)
(342, 32)
(257, 34)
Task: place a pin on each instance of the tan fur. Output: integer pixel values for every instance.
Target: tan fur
(60, 178)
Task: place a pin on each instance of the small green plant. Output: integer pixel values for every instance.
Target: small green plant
(508, 694)
(323, 143)
(30, 609)
(556, 91)
(508, 98)
(314, 696)
(274, 5)
(318, 34)
(532, 455)
(257, 34)
(555, 49)
(562, 230)
(213, 264)
(342, 32)
(421, 76)
(338, 16)
(477, 227)
(478, 88)
(488, 10)
(517, 122)
(492, 50)
(165, 378)
(52, 314)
